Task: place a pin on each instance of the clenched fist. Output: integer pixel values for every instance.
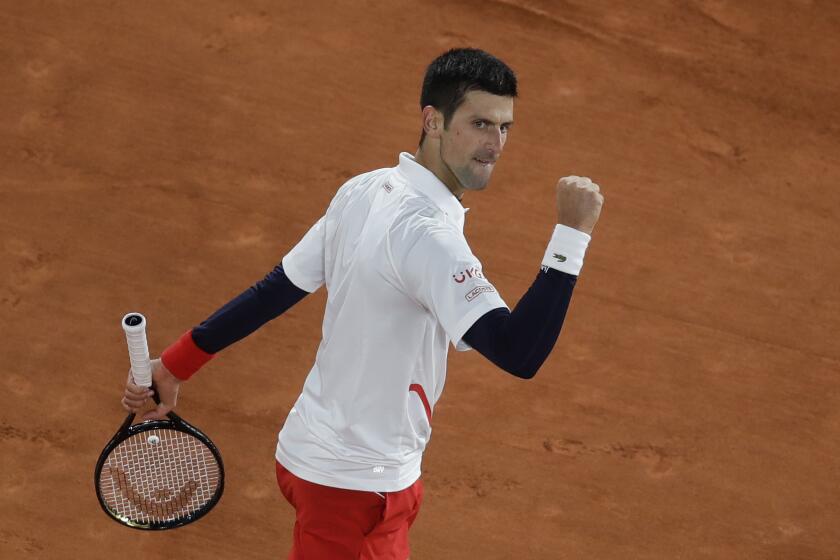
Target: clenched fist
(579, 203)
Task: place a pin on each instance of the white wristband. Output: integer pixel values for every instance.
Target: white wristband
(566, 249)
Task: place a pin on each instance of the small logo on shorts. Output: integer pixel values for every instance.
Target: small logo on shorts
(475, 292)
(559, 257)
(378, 469)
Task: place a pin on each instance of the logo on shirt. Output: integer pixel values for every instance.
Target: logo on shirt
(387, 187)
(471, 272)
(478, 290)
(559, 257)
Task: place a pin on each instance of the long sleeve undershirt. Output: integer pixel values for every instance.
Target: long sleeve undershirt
(259, 304)
(517, 341)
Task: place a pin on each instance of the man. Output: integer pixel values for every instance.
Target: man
(402, 285)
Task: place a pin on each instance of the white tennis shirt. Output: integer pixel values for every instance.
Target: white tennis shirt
(402, 284)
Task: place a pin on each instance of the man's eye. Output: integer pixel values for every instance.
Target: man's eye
(479, 124)
(505, 128)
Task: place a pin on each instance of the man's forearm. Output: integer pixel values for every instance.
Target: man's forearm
(259, 304)
(521, 340)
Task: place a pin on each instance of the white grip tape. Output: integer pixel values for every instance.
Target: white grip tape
(134, 325)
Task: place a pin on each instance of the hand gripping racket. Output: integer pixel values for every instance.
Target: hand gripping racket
(158, 474)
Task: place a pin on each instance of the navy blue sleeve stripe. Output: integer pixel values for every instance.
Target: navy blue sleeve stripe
(259, 304)
(520, 341)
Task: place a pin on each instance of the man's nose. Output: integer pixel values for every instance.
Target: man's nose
(495, 140)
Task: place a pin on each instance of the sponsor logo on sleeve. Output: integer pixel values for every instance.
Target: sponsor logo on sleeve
(388, 188)
(471, 272)
(559, 257)
(477, 291)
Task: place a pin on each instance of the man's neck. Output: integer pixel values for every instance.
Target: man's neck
(429, 157)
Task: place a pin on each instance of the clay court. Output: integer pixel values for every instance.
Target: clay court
(161, 157)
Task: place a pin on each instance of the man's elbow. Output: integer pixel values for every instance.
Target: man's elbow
(523, 371)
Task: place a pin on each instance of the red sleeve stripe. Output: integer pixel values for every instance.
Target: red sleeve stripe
(183, 358)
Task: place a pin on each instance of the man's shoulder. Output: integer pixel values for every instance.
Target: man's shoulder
(365, 178)
(357, 186)
(372, 174)
(422, 227)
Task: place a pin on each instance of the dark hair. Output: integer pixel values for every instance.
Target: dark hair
(458, 71)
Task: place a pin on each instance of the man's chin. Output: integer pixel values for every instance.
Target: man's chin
(477, 184)
(474, 183)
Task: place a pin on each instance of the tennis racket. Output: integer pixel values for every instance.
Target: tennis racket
(159, 474)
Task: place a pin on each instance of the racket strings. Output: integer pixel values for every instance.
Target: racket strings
(159, 476)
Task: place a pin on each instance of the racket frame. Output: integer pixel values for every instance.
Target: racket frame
(174, 422)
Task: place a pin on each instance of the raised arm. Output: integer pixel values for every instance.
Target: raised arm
(521, 340)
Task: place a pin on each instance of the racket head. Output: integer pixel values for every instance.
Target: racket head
(159, 474)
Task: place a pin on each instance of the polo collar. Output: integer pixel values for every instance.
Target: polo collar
(427, 182)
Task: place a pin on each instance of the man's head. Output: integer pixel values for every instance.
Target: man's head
(467, 104)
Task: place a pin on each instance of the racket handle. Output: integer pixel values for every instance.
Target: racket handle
(134, 325)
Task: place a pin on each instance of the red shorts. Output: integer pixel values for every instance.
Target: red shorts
(338, 524)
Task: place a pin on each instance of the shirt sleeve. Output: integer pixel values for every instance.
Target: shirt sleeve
(520, 341)
(441, 273)
(244, 314)
(304, 264)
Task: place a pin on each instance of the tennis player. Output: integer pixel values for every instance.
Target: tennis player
(402, 284)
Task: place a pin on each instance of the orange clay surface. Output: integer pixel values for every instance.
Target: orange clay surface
(161, 157)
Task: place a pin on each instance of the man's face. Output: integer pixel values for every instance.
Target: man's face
(473, 142)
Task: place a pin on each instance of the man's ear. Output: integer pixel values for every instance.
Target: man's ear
(432, 121)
